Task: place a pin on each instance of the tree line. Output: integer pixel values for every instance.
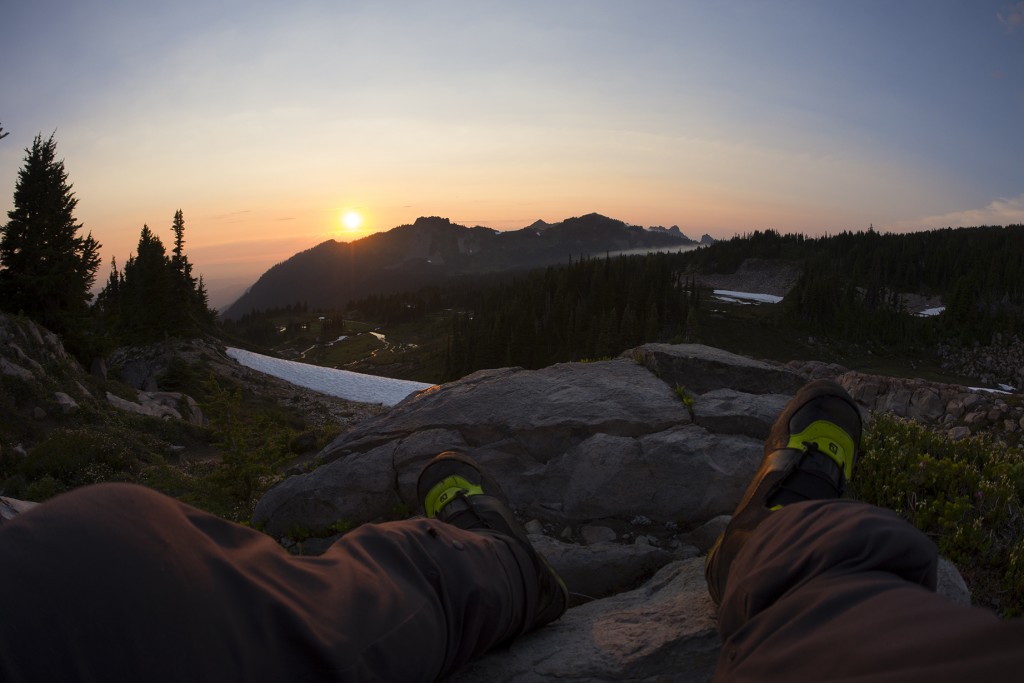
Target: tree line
(592, 308)
(48, 265)
(852, 288)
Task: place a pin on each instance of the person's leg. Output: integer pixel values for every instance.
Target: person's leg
(837, 590)
(117, 582)
(815, 588)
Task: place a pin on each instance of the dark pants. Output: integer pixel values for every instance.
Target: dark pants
(119, 583)
(843, 591)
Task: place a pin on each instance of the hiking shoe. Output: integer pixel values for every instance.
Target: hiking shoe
(809, 455)
(456, 491)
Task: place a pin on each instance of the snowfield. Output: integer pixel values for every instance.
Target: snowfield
(352, 386)
(730, 296)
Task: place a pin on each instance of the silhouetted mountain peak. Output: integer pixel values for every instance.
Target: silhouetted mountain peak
(432, 222)
(410, 256)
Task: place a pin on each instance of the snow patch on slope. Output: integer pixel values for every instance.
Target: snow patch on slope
(352, 386)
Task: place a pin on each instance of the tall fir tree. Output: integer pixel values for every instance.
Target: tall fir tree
(46, 267)
(155, 296)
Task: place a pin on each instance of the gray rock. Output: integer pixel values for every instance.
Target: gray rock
(98, 369)
(961, 432)
(12, 507)
(896, 402)
(172, 404)
(14, 370)
(974, 419)
(67, 404)
(140, 374)
(663, 631)
(569, 443)
(356, 489)
(125, 404)
(733, 412)
(951, 584)
(702, 369)
(534, 526)
(593, 534)
(704, 536)
(596, 571)
(83, 392)
(955, 409)
(970, 400)
(612, 476)
(925, 405)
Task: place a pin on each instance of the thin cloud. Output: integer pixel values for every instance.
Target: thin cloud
(1012, 17)
(998, 212)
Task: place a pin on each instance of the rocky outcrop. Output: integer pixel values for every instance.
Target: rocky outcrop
(956, 410)
(662, 631)
(11, 508)
(39, 378)
(161, 404)
(765, 276)
(1000, 362)
(570, 443)
(626, 471)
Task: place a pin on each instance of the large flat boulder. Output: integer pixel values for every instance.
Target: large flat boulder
(662, 631)
(701, 369)
(569, 443)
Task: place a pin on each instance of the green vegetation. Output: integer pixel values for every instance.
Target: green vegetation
(966, 495)
(848, 306)
(244, 449)
(414, 331)
(46, 267)
(591, 308)
(156, 296)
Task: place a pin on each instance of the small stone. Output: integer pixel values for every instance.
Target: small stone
(67, 404)
(534, 527)
(973, 419)
(1010, 425)
(642, 540)
(684, 551)
(38, 413)
(957, 433)
(641, 520)
(593, 535)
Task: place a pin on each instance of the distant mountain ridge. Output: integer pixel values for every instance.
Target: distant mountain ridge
(432, 249)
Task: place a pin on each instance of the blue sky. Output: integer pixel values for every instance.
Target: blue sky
(265, 121)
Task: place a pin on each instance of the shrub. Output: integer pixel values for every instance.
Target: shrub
(76, 457)
(966, 495)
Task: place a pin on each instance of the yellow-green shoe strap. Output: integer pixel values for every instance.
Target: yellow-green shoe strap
(831, 440)
(446, 490)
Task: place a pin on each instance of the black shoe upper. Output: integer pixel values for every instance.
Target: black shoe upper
(809, 455)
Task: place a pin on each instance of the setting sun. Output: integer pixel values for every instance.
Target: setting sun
(351, 220)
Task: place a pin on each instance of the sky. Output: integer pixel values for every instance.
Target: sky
(265, 122)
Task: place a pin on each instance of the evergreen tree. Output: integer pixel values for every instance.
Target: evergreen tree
(156, 295)
(46, 267)
(147, 292)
